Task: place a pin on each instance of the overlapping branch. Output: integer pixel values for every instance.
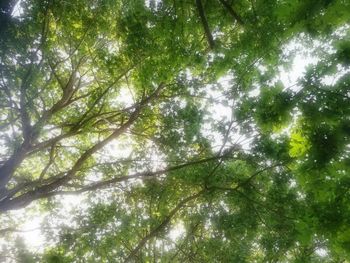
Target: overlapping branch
(41, 191)
(157, 230)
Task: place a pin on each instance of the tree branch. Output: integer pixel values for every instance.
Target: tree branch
(205, 24)
(142, 175)
(161, 226)
(44, 190)
(232, 12)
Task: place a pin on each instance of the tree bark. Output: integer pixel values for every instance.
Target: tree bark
(205, 24)
(232, 12)
(48, 190)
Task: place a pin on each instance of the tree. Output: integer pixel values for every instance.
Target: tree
(113, 101)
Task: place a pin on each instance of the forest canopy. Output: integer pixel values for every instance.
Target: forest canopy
(173, 131)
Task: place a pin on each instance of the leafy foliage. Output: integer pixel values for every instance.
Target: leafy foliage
(169, 125)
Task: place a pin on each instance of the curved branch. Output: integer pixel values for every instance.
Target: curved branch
(162, 225)
(142, 175)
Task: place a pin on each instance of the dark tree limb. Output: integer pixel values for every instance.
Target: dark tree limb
(44, 190)
(205, 24)
(25, 120)
(141, 175)
(232, 12)
(31, 133)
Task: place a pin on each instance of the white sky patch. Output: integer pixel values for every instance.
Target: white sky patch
(217, 111)
(30, 229)
(224, 206)
(330, 80)
(290, 77)
(177, 231)
(33, 234)
(113, 47)
(155, 3)
(17, 10)
(156, 158)
(125, 98)
(308, 52)
(321, 252)
(117, 149)
(255, 92)
(301, 56)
